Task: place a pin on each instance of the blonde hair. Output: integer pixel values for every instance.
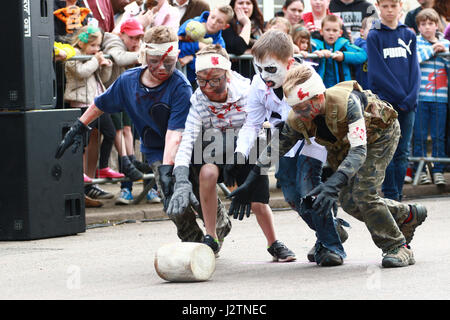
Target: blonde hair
(273, 43)
(228, 11)
(297, 74)
(160, 34)
(333, 19)
(284, 21)
(91, 37)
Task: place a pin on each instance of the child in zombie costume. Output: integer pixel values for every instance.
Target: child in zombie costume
(300, 169)
(218, 110)
(361, 133)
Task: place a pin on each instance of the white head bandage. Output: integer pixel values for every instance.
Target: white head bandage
(305, 91)
(157, 49)
(213, 60)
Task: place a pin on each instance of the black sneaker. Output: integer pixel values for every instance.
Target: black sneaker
(280, 252)
(327, 258)
(95, 192)
(212, 243)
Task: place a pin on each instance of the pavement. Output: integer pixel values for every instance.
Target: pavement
(110, 213)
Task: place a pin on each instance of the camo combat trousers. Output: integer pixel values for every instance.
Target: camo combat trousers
(360, 197)
(188, 229)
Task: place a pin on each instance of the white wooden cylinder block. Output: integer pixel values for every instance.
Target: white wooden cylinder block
(185, 262)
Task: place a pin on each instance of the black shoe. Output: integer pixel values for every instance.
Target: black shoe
(280, 252)
(95, 192)
(327, 258)
(213, 244)
(310, 255)
(141, 166)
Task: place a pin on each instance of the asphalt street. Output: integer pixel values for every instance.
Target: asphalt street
(116, 262)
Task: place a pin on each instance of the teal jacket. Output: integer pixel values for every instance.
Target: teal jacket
(352, 55)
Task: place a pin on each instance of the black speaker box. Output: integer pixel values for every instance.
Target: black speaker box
(40, 196)
(26, 61)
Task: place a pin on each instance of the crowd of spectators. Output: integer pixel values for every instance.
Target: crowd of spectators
(340, 38)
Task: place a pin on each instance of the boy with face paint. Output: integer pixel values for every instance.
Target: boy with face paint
(300, 170)
(361, 133)
(218, 109)
(157, 98)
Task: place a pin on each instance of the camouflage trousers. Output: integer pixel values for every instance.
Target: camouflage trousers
(188, 229)
(361, 200)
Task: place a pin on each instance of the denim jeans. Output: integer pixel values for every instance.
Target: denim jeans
(298, 176)
(430, 117)
(395, 172)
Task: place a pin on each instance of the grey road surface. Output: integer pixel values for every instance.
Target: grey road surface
(117, 263)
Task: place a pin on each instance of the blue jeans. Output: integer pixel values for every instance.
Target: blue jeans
(395, 172)
(431, 117)
(298, 176)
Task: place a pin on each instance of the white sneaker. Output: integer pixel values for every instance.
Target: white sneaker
(439, 179)
(424, 179)
(125, 196)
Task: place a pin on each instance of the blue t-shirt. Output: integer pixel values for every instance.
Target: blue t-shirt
(152, 110)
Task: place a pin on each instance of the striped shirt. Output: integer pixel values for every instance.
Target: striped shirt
(210, 118)
(434, 78)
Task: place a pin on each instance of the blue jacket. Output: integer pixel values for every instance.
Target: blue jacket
(361, 70)
(393, 67)
(352, 55)
(191, 47)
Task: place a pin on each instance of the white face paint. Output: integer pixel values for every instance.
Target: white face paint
(272, 71)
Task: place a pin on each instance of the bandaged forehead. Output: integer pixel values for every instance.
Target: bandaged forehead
(212, 61)
(307, 90)
(161, 49)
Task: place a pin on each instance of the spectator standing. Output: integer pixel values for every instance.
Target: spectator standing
(352, 12)
(361, 70)
(189, 9)
(85, 82)
(103, 14)
(292, 10)
(394, 75)
(124, 50)
(442, 7)
(245, 28)
(433, 96)
(214, 22)
(165, 15)
(69, 16)
(336, 53)
(410, 19)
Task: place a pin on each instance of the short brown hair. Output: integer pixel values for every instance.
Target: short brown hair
(300, 32)
(333, 19)
(427, 14)
(378, 1)
(273, 43)
(297, 74)
(228, 11)
(213, 48)
(160, 34)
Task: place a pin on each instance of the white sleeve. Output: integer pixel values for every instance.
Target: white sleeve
(191, 131)
(255, 116)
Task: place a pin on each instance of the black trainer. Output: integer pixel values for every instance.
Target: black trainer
(327, 258)
(95, 192)
(280, 252)
(213, 244)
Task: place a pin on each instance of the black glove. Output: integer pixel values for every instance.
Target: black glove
(241, 203)
(327, 193)
(183, 194)
(166, 180)
(230, 170)
(75, 136)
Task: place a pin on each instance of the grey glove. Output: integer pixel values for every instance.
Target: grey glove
(183, 194)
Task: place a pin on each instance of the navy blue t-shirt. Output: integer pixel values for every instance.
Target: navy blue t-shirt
(153, 111)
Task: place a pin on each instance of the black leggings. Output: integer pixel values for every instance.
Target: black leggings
(106, 127)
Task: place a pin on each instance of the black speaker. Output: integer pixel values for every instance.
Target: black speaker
(26, 61)
(40, 196)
